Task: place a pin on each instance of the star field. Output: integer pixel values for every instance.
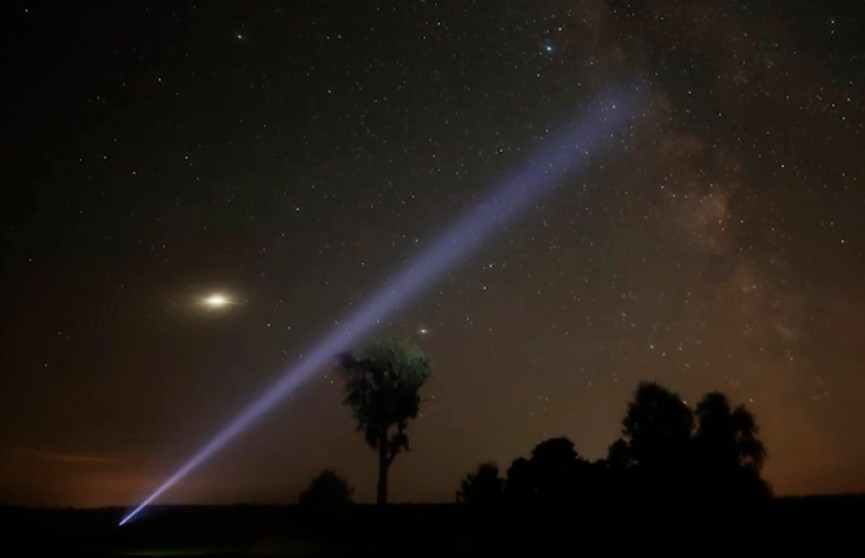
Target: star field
(291, 157)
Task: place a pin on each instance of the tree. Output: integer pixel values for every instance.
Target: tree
(728, 453)
(327, 491)
(725, 438)
(555, 466)
(382, 390)
(619, 456)
(658, 428)
(554, 476)
(520, 484)
(484, 487)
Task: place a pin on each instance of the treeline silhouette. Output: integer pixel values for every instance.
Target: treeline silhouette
(672, 459)
(687, 463)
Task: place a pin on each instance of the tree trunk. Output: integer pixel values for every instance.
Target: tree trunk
(382, 469)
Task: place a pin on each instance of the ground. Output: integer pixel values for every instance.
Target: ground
(788, 527)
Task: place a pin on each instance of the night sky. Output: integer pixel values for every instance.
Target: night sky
(294, 156)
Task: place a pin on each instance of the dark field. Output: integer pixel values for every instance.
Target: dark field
(788, 527)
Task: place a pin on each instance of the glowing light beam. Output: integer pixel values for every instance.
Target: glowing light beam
(526, 184)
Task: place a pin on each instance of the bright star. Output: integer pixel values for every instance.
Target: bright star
(548, 49)
(422, 331)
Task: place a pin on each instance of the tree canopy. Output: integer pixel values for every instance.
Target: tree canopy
(484, 487)
(657, 427)
(382, 389)
(727, 438)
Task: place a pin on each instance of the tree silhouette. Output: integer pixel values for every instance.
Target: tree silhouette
(658, 428)
(726, 438)
(520, 484)
(728, 453)
(327, 491)
(661, 460)
(382, 390)
(619, 456)
(555, 475)
(555, 469)
(484, 487)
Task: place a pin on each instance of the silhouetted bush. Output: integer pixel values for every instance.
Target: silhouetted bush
(327, 492)
(483, 488)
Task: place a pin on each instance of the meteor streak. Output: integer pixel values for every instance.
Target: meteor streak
(528, 183)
